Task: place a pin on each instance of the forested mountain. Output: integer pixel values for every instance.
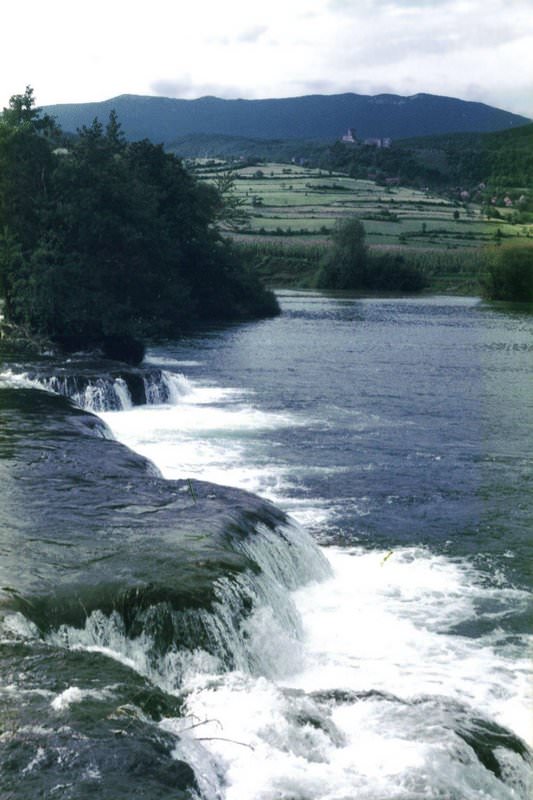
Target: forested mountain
(499, 162)
(322, 117)
(212, 145)
(505, 157)
(509, 157)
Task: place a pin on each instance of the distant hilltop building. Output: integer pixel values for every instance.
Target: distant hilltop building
(385, 142)
(350, 136)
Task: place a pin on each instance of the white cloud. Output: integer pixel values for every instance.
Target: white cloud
(189, 89)
(475, 49)
(253, 34)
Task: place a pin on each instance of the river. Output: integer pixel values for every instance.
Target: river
(392, 660)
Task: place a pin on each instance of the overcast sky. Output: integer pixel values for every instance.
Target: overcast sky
(72, 51)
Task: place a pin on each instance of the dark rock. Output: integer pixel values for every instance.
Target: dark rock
(124, 348)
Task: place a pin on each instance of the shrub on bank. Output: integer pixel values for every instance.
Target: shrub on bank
(345, 265)
(391, 272)
(350, 265)
(510, 273)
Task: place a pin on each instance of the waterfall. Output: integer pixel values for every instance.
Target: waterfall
(109, 392)
(98, 394)
(162, 387)
(252, 626)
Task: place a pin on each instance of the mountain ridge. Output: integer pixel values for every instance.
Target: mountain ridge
(316, 116)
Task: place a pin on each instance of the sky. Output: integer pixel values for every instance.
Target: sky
(73, 52)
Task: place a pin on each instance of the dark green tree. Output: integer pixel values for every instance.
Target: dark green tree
(510, 273)
(25, 167)
(346, 263)
(350, 265)
(105, 242)
(26, 164)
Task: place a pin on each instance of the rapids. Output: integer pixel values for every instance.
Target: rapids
(166, 634)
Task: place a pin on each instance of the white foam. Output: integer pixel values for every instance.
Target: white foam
(37, 759)
(384, 622)
(15, 626)
(197, 413)
(379, 623)
(208, 435)
(269, 744)
(166, 361)
(17, 380)
(73, 695)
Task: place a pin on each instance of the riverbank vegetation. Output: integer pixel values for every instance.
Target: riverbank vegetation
(291, 213)
(510, 274)
(297, 265)
(348, 264)
(104, 243)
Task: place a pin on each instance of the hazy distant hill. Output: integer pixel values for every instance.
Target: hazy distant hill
(319, 117)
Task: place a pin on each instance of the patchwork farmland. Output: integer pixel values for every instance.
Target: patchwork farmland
(292, 210)
(300, 204)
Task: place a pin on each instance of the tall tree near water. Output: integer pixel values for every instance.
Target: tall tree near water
(346, 263)
(26, 164)
(105, 242)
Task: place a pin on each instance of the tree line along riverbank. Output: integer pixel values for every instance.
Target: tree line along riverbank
(499, 272)
(104, 242)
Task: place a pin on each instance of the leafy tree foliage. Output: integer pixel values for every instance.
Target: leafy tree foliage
(231, 212)
(345, 265)
(391, 272)
(500, 160)
(349, 264)
(104, 243)
(510, 273)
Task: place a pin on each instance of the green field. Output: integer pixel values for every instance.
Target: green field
(293, 210)
(297, 204)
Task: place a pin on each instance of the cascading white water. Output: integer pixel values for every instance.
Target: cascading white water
(165, 387)
(371, 698)
(101, 394)
(373, 704)
(122, 393)
(248, 608)
(353, 685)
(98, 395)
